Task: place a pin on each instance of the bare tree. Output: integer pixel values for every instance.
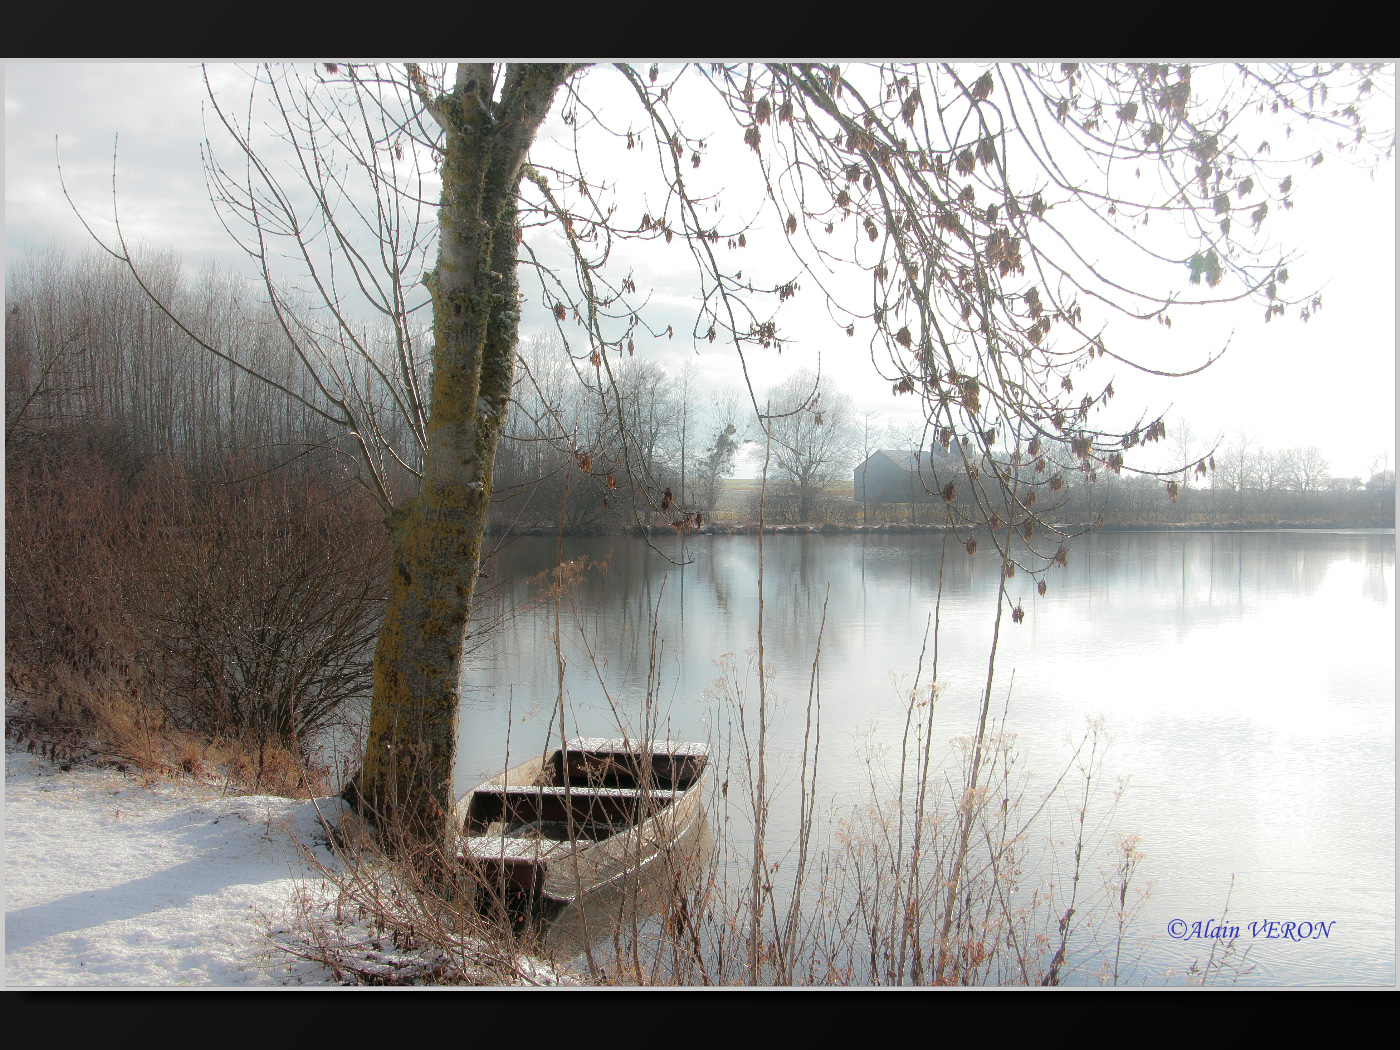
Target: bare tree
(725, 420)
(1237, 465)
(1271, 468)
(1308, 468)
(1381, 484)
(714, 466)
(961, 196)
(813, 436)
(86, 347)
(869, 443)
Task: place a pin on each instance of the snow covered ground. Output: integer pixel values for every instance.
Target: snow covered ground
(109, 883)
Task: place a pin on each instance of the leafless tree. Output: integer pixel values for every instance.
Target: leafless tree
(813, 439)
(86, 348)
(1307, 468)
(1237, 466)
(1271, 468)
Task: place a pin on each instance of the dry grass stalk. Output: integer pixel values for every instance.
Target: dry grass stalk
(378, 921)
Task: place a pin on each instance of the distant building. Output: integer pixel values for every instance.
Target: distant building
(898, 476)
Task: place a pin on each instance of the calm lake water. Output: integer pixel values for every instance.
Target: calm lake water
(1247, 680)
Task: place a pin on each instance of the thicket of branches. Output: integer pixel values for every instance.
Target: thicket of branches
(85, 347)
(958, 199)
(962, 200)
(185, 552)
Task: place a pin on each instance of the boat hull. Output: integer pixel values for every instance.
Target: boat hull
(565, 839)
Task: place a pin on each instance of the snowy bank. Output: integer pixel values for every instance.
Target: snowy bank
(112, 883)
(109, 883)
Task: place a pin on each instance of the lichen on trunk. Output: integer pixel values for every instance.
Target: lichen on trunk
(405, 785)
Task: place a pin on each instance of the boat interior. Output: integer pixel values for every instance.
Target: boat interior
(583, 793)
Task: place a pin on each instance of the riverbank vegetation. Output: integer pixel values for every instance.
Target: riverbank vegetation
(191, 582)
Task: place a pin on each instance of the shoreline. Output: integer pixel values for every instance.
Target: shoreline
(905, 528)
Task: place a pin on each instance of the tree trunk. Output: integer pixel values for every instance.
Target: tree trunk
(405, 785)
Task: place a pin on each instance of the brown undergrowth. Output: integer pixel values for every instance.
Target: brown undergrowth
(217, 625)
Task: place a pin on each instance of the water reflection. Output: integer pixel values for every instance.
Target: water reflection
(1248, 679)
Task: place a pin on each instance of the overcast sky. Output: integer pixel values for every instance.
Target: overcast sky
(1329, 382)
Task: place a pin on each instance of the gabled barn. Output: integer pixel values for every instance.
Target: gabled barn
(899, 476)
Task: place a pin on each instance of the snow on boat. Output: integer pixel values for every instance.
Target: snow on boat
(575, 826)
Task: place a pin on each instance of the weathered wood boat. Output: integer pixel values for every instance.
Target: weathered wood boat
(582, 824)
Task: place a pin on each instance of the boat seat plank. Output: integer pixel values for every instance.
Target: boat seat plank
(548, 804)
(605, 763)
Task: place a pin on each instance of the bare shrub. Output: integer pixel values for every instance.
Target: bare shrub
(184, 625)
(271, 596)
(69, 547)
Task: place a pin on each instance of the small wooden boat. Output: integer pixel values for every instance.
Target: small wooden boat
(579, 824)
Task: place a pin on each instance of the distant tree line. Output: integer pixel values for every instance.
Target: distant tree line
(600, 444)
(1243, 482)
(625, 442)
(606, 445)
(86, 349)
(1256, 486)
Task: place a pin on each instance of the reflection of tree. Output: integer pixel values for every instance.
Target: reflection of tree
(1378, 557)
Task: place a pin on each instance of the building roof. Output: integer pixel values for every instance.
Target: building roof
(908, 460)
